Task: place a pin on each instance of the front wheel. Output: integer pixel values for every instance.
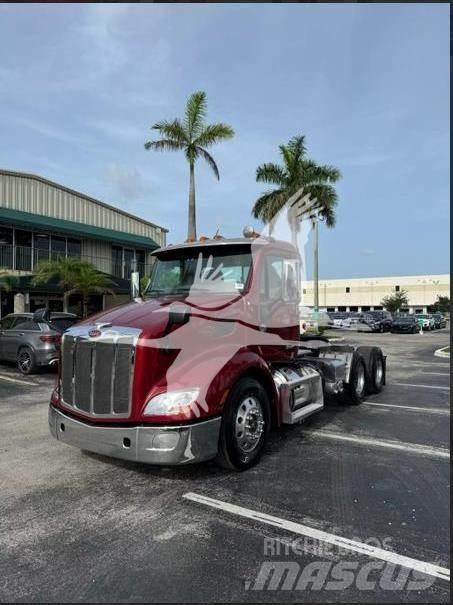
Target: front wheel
(245, 425)
(26, 361)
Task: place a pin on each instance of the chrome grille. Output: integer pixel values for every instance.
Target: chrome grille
(96, 374)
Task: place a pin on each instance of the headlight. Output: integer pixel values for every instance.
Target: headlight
(172, 403)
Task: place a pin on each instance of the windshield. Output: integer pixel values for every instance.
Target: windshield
(208, 270)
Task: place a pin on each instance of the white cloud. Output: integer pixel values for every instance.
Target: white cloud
(127, 184)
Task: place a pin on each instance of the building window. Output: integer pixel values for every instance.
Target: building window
(57, 247)
(342, 309)
(397, 288)
(126, 260)
(40, 248)
(22, 241)
(117, 261)
(6, 248)
(74, 247)
(348, 289)
(330, 309)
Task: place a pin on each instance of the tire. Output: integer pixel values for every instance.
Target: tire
(247, 402)
(376, 377)
(355, 389)
(26, 361)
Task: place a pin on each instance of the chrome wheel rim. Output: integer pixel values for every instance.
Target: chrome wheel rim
(360, 380)
(379, 373)
(249, 424)
(24, 361)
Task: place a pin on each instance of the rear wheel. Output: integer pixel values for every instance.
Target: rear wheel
(377, 372)
(26, 361)
(355, 389)
(245, 425)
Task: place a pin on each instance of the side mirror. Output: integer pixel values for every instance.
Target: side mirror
(41, 315)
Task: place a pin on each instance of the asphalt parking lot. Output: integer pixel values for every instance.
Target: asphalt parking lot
(80, 527)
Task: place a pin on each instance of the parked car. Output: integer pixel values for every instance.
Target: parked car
(312, 321)
(337, 317)
(405, 323)
(32, 339)
(426, 322)
(379, 321)
(439, 321)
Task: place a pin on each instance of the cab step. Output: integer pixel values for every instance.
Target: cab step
(303, 412)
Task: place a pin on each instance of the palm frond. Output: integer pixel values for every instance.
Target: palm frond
(271, 173)
(321, 173)
(327, 198)
(164, 145)
(173, 130)
(210, 160)
(269, 204)
(213, 133)
(196, 110)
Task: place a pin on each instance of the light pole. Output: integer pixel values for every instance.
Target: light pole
(314, 221)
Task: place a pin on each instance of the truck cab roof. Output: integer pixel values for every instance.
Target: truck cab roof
(230, 242)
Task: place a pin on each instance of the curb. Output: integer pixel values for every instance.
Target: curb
(442, 353)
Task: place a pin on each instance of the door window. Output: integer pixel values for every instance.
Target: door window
(26, 323)
(7, 323)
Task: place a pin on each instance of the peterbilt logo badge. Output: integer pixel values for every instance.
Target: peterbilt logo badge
(94, 332)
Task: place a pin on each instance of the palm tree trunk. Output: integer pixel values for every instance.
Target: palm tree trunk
(192, 224)
(85, 306)
(65, 302)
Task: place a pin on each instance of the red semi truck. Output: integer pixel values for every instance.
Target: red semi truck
(206, 363)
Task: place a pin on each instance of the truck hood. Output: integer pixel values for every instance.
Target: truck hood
(151, 315)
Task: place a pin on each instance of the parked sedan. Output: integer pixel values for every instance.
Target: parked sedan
(439, 321)
(426, 322)
(405, 323)
(32, 340)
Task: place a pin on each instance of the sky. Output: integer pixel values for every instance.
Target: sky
(367, 84)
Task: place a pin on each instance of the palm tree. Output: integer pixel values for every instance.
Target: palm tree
(89, 281)
(73, 276)
(297, 171)
(192, 136)
(64, 271)
(6, 281)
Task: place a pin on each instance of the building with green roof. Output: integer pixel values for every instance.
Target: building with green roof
(43, 220)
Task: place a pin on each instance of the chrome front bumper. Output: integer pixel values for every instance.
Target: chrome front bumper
(166, 445)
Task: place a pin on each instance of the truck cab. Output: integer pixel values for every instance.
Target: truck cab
(205, 363)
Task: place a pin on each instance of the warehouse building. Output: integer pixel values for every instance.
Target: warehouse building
(365, 294)
(42, 220)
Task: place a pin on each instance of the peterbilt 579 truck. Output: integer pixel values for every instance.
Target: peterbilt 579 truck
(206, 363)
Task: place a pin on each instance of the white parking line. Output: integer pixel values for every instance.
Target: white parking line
(413, 448)
(339, 541)
(420, 386)
(410, 408)
(436, 373)
(2, 377)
